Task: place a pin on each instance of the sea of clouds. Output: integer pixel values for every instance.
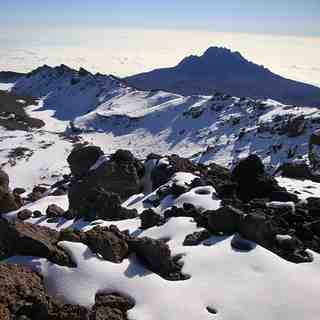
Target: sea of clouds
(126, 51)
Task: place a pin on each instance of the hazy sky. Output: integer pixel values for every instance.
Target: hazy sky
(129, 36)
(268, 16)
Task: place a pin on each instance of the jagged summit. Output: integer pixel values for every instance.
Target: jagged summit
(220, 69)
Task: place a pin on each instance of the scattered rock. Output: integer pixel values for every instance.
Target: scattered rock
(54, 211)
(19, 238)
(149, 218)
(196, 238)
(24, 214)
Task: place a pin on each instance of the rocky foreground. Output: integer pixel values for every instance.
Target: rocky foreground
(245, 206)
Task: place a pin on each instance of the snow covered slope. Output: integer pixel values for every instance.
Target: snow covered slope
(105, 111)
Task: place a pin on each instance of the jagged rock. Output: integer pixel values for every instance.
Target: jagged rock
(167, 166)
(156, 255)
(313, 205)
(19, 238)
(62, 311)
(100, 204)
(296, 126)
(196, 238)
(253, 182)
(286, 242)
(106, 243)
(114, 300)
(224, 220)
(296, 170)
(21, 294)
(258, 228)
(120, 174)
(149, 219)
(7, 201)
(37, 193)
(24, 214)
(81, 159)
(54, 211)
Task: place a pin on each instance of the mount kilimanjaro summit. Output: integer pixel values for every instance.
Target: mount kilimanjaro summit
(220, 69)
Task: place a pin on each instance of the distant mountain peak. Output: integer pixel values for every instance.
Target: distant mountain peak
(221, 69)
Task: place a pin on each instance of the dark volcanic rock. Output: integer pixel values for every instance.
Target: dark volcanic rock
(106, 243)
(258, 228)
(296, 126)
(162, 172)
(150, 219)
(18, 238)
(7, 201)
(224, 220)
(295, 170)
(156, 255)
(253, 181)
(81, 159)
(21, 294)
(121, 174)
(54, 211)
(283, 196)
(196, 238)
(97, 203)
(24, 214)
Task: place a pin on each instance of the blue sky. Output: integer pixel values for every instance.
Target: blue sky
(295, 17)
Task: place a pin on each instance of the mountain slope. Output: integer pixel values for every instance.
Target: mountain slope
(219, 69)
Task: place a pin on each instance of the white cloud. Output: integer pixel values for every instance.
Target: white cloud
(125, 51)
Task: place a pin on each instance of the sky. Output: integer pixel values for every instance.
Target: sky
(124, 37)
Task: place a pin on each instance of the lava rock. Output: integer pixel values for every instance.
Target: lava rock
(98, 203)
(252, 179)
(149, 218)
(121, 174)
(196, 238)
(283, 196)
(54, 211)
(258, 228)
(7, 201)
(81, 159)
(155, 254)
(106, 243)
(19, 238)
(21, 293)
(24, 214)
(224, 220)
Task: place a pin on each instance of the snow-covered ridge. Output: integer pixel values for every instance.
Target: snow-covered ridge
(218, 128)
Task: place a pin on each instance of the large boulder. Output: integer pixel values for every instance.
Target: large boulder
(19, 238)
(120, 174)
(81, 159)
(252, 179)
(7, 201)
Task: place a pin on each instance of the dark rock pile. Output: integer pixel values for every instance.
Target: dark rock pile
(23, 296)
(96, 178)
(19, 238)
